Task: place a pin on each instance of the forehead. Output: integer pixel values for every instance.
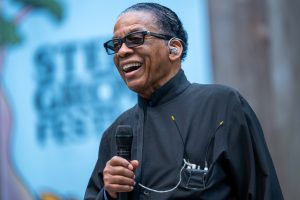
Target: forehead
(134, 21)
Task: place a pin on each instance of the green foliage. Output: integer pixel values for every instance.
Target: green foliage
(8, 29)
(53, 6)
(8, 33)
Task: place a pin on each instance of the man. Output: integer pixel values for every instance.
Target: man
(190, 141)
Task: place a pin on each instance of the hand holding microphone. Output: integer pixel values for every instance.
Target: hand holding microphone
(118, 174)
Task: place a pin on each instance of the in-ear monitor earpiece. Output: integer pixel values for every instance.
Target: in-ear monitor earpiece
(173, 50)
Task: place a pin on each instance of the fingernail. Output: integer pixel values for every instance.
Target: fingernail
(134, 183)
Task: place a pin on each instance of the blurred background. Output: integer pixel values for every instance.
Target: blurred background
(59, 90)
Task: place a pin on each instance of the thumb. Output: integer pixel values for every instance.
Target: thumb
(134, 163)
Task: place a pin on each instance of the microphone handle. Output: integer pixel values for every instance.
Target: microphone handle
(124, 135)
(124, 153)
(123, 196)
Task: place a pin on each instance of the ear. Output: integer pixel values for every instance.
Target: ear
(175, 49)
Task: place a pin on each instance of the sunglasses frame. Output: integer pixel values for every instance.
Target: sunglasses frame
(109, 45)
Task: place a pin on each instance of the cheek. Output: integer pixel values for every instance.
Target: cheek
(116, 62)
(157, 62)
(115, 59)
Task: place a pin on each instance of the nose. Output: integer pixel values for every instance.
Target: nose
(124, 50)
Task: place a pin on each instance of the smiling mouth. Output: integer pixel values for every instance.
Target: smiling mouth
(131, 67)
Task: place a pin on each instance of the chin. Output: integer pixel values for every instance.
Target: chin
(133, 84)
(135, 88)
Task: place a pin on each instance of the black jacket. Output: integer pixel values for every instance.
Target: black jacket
(207, 125)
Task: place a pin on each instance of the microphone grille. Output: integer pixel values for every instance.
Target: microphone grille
(124, 135)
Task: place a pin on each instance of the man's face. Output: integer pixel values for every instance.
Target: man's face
(147, 66)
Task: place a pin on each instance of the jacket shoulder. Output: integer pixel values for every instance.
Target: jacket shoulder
(215, 92)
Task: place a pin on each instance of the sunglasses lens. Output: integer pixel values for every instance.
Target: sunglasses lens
(116, 44)
(109, 47)
(131, 40)
(134, 39)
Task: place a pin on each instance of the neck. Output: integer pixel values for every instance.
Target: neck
(146, 94)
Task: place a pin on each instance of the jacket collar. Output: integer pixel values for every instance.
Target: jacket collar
(167, 92)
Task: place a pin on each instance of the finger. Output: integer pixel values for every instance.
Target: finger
(118, 183)
(118, 170)
(119, 161)
(120, 180)
(134, 163)
(118, 188)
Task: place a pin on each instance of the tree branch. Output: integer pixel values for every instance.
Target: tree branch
(22, 14)
(2, 52)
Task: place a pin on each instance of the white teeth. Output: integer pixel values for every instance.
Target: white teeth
(127, 66)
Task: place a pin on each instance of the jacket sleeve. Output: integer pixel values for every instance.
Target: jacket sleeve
(95, 190)
(90, 195)
(251, 166)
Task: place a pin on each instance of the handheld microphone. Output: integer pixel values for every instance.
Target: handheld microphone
(124, 135)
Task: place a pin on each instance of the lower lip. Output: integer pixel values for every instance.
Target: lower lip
(131, 74)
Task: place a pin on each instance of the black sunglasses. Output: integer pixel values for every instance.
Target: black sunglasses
(131, 40)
